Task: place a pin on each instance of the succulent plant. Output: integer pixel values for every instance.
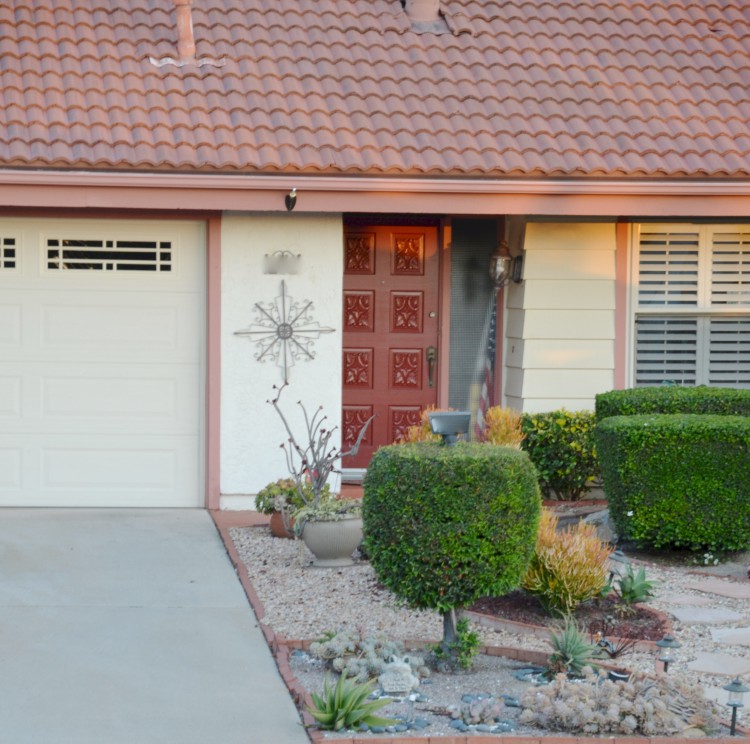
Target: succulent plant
(345, 706)
(480, 710)
(571, 651)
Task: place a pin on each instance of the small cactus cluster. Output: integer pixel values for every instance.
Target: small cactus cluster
(638, 706)
(479, 709)
(362, 657)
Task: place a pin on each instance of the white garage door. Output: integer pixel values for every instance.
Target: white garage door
(101, 363)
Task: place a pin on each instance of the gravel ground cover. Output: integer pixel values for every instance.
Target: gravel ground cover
(302, 603)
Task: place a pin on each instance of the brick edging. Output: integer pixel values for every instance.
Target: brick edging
(280, 648)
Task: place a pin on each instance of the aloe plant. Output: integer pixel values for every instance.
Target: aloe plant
(571, 652)
(345, 706)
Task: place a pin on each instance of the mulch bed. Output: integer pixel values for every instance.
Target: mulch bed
(642, 624)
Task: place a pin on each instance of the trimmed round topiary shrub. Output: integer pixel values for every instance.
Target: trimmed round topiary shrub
(678, 480)
(447, 525)
(668, 399)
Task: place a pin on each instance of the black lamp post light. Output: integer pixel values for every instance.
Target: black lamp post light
(666, 645)
(736, 692)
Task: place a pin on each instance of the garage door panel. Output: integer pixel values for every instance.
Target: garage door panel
(10, 469)
(101, 398)
(44, 325)
(101, 471)
(10, 324)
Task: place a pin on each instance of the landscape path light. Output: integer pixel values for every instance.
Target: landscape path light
(736, 692)
(666, 645)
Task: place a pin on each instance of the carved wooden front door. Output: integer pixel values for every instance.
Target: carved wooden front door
(390, 354)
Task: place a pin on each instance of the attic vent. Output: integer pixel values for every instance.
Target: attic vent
(426, 16)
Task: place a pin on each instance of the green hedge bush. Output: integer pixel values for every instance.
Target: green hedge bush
(561, 446)
(446, 525)
(679, 480)
(666, 399)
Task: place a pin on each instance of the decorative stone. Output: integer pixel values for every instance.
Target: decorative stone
(420, 723)
(421, 698)
(397, 677)
(484, 728)
(469, 698)
(692, 733)
(459, 725)
(724, 664)
(503, 727)
(377, 729)
(364, 727)
(705, 615)
(510, 701)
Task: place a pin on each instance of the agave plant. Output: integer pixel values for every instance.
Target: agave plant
(345, 706)
(571, 651)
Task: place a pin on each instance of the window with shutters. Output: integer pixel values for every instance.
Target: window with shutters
(692, 307)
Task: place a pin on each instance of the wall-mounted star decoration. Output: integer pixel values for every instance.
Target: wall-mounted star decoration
(285, 331)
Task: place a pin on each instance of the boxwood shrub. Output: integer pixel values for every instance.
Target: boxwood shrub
(679, 480)
(561, 446)
(446, 525)
(666, 399)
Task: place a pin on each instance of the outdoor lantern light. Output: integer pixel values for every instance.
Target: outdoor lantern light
(449, 424)
(736, 692)
(500, 269)
(667, 643)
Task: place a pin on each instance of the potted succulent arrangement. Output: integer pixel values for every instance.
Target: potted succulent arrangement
(280, 499)
(331, 527)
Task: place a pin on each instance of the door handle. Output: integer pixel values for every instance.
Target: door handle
(431, 355)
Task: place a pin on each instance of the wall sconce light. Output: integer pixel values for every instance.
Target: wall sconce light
(736, 692)
(500, 268)
(666, 644)
(504, 268)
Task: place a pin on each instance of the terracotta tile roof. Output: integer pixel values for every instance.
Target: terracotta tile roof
(513, 88)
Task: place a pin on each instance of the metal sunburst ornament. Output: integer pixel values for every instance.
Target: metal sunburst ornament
(285, 331)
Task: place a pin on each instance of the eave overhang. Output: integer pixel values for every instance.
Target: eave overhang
(48, 189)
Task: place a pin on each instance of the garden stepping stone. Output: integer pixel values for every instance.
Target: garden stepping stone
(723, 664)
(694, 600)
(705, 615)
(723, 588)
(731, 636)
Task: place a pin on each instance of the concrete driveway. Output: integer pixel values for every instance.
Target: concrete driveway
(129, 626)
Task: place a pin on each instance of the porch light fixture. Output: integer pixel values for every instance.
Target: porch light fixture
(505, 268)
(736, 692)
(450, 425)
(666, 645)
(500, 269)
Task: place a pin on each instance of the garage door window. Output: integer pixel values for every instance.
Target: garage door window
(8, 256)
(64, 254)
(692, 321)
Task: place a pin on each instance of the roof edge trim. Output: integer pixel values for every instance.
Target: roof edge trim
(693, 187)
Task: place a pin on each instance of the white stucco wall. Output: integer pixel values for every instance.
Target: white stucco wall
(561, 327)
(251, 431)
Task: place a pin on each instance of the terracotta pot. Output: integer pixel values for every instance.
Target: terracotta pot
(278, 528)
(332, 543)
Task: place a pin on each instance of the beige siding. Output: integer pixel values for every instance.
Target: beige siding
(560, 327)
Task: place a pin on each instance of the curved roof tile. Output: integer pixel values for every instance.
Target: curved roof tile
(537, 88)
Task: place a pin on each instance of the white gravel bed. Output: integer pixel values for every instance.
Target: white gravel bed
(302, 602)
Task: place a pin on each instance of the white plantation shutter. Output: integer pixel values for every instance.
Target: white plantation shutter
(692, 323)
(668, 268)
(666, 350)
(729, 352)
(730, 268)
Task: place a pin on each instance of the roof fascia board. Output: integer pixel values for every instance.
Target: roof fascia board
(179, 191)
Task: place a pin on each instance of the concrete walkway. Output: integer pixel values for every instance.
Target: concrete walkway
(130, 627)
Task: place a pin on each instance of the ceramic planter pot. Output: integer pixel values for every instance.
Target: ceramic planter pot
(277, 526)
(332, 543)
